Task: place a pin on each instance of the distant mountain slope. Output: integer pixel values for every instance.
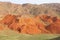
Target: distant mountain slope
(34, 9)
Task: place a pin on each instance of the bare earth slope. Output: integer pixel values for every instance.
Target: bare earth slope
(34, 9)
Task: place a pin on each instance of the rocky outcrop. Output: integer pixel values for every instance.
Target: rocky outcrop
(28, 24)
(24, 24)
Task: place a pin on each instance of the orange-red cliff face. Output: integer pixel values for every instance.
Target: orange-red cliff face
(8, 19)
(54, 23)
(32, 25)
(54, 27)
(29, 25)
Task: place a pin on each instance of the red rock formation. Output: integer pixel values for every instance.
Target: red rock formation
(46, 18)
(8, 19)
(29, 25)
(55, 26)
(54, 23)
(32, 25)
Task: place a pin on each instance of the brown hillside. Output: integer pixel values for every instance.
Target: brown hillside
(52, 9)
